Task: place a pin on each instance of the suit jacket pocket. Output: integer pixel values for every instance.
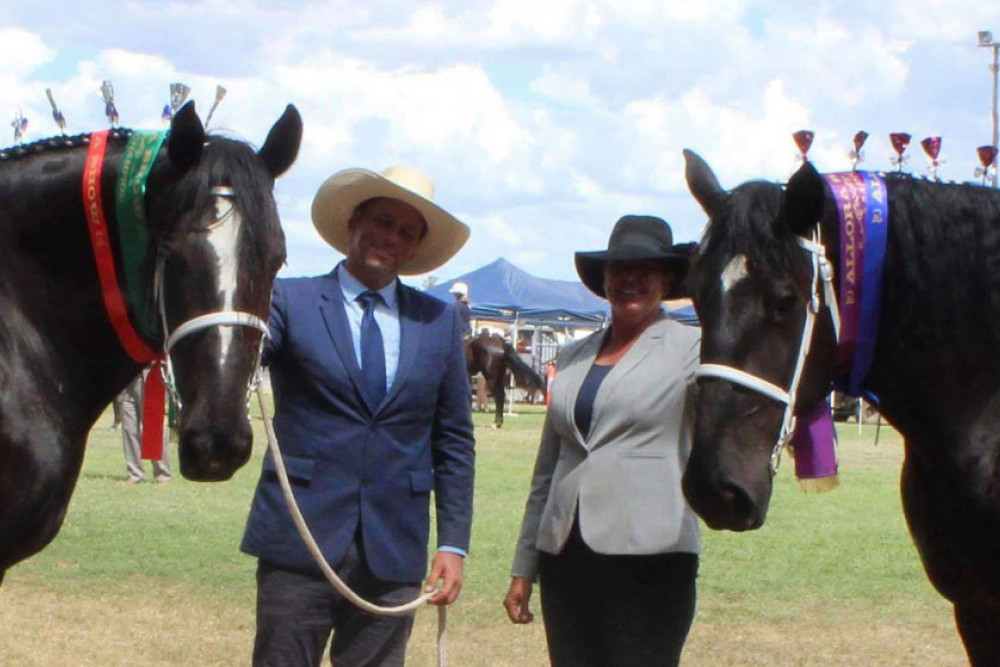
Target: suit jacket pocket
(421, 482)
(299, 469)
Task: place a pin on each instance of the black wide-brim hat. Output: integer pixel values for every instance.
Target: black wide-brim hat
(636, 237)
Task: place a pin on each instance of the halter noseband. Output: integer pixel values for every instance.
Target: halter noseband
(821, 283)
(215, 319)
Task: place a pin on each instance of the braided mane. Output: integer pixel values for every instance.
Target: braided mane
(58, 143)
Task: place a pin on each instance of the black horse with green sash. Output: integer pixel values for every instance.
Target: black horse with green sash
(120, 249)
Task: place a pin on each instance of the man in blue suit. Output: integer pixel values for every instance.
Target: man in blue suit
(372, 413)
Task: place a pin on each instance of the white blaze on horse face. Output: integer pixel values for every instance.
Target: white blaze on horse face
(736, 270)
(223, 236)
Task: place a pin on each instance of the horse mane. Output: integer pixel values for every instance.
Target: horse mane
(59, 142)
(943, 256)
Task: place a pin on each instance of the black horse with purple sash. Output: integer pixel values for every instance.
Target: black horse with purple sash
(763, 282)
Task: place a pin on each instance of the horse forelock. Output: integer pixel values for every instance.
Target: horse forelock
(237, 165)
(746, 227)
(232, 163)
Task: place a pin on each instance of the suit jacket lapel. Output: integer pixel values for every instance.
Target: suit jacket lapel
(642, 348)
(331, 307)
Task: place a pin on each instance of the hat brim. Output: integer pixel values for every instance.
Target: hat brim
(340, 194)
(590, 267)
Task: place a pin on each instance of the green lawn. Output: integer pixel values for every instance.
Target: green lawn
(152, 574)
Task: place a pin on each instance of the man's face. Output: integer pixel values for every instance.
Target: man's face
(384, 234)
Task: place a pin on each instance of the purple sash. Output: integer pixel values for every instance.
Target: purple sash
(862, 205)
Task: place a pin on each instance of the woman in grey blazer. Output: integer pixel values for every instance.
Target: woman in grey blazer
(606, 529)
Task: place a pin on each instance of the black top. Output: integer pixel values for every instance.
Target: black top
(584, 408)
(466, 314)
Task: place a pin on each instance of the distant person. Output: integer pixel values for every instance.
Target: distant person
(116, 413)
(130, 406)
(461, 293)
(606, 529)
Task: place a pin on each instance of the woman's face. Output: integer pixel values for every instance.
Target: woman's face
(635, 288)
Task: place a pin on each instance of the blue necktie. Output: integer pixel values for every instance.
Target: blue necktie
(372, 350)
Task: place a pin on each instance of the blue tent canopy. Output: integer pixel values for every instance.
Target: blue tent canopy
(502, 291)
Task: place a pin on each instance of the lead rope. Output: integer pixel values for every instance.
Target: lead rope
(317, 554)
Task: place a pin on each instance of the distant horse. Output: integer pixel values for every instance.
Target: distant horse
(758, 286)
(494, 357)
(71, 339)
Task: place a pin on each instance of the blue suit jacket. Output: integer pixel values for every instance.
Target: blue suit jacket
(352, 464)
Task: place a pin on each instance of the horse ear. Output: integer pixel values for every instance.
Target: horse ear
(703, 184)
(282, 144)
(804, 199)
(187, 138)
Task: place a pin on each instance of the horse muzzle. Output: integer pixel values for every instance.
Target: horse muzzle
(726, 507)
(726, 499)
(215, 452)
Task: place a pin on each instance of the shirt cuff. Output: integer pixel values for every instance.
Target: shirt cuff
(454, 550)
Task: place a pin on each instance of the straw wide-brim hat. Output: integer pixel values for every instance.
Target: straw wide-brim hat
(636, 237)
(337, 198)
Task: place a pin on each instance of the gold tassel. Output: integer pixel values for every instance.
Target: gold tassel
(818, 484)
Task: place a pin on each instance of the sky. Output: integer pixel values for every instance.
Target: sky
(541, 122)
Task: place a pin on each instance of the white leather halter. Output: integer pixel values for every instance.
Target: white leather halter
(215, 319)
(822, 279)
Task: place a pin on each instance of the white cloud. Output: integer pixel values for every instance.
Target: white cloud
(498, 230)
(21, 52)
(540, 122)
(569, 89)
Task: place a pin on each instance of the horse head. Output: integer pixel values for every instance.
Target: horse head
(218, 246)
(753, 284)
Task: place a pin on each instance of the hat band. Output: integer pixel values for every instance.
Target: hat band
(640, 239)
(627, 251)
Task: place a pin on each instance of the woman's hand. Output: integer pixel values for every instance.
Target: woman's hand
(516, 600)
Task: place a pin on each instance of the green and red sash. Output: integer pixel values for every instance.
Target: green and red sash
(140, 153)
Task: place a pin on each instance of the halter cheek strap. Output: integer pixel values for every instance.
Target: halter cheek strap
(821, 283)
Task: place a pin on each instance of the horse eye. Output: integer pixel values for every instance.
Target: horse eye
(785, 305)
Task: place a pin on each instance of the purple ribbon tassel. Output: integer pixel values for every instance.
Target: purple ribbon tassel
(814, 445)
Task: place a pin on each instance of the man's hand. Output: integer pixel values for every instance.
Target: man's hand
(446, 570)
(516, 601)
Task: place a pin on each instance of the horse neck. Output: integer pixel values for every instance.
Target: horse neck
(939, 325)
(55, 326)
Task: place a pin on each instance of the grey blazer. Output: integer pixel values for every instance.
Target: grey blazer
(625, 477)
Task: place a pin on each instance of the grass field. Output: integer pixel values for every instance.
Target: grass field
(151, 575)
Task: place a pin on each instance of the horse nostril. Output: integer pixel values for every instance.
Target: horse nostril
(743, 507)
